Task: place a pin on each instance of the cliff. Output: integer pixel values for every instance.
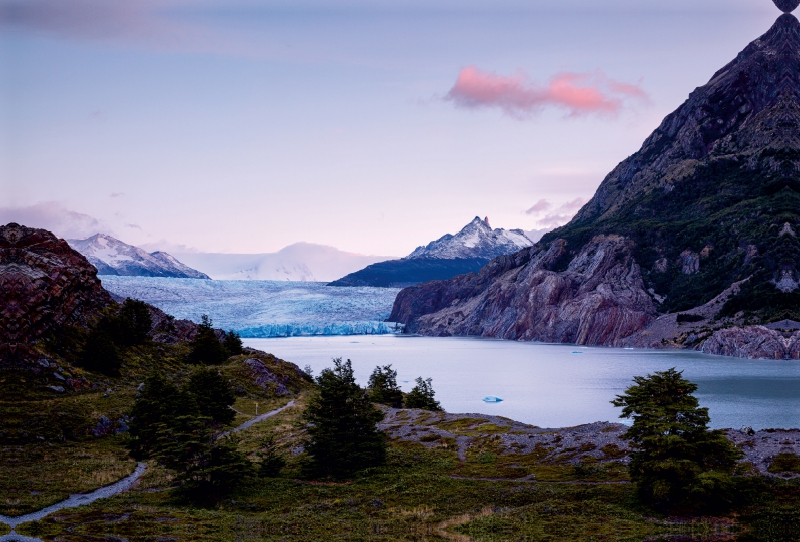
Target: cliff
(710, 200)
(44, 285)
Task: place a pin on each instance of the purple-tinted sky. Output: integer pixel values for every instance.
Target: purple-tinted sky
(373, 126)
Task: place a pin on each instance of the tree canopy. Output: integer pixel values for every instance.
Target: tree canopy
(341, 421)
(676, 458)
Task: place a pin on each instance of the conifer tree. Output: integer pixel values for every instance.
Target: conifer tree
(233, 343)
(206, 348)
(341, 421)
(383, 387)
(422, 395)
(676, 457)
(214, 395)
(271, 461)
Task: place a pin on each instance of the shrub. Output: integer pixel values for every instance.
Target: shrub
(100, 354)
(683, 317)
(422, 396)
(785, 463)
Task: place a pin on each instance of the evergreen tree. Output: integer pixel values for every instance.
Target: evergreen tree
(422, 395)
(208, 469)
(158, 404)
(383, 387)
(214, 395)
(233, 343)
(132, 324)
(676, 457)
(271, 461)
(341, 423)
(100, 354)
(206, 348)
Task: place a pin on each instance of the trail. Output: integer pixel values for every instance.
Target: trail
(259, 418)
(534, 481)
(78, 499)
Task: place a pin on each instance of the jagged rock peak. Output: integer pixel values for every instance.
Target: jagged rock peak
(475, 240)
(787, 6)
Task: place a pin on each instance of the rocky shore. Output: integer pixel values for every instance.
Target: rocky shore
(591, 443)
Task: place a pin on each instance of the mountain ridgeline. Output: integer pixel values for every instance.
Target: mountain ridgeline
(113, 257)
(703, 218)
(450, 255)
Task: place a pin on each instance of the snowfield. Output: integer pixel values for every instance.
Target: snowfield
(265, 308)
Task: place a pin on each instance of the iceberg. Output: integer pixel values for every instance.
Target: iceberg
(491, 399)
(266, 308)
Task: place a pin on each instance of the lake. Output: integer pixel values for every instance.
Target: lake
(554, 385)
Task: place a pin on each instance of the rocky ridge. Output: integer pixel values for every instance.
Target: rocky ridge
(44, 285)
(599, 297)
(690, 242)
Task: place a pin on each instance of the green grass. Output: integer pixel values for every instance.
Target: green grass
(423, 493)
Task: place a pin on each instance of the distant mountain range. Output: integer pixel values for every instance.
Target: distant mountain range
(304, 262)
(465, 252)
(113, 257)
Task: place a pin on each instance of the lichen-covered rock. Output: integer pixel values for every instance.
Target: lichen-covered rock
(598, 300)
(44, 285)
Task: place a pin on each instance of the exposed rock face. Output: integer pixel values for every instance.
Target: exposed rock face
(44, 285)
(598, 300)
(754, 342)
(711, 200)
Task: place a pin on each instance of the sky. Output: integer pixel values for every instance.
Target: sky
(371, 126)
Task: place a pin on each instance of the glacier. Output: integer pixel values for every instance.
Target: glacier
(266, 308)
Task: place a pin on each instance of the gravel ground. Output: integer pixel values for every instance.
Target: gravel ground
(603, 441)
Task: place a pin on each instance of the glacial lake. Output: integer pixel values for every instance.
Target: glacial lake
(554, 385)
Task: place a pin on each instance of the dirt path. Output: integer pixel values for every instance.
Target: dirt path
(534, 481)
(256, 419)
(78, 499)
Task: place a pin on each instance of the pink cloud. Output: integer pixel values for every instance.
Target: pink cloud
(538, 207)
(559, 216)
(577, 93)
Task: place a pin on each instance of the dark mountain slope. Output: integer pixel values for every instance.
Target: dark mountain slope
(711, 198)
(449, 256)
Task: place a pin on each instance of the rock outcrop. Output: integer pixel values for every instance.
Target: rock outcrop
(598, 299)
(754, 342)
(44, 285)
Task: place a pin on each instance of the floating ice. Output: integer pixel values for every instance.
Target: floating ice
(491, 399)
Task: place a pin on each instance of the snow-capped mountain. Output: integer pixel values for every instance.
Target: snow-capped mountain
(113, 257)
(475, 240)
(465, 252)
